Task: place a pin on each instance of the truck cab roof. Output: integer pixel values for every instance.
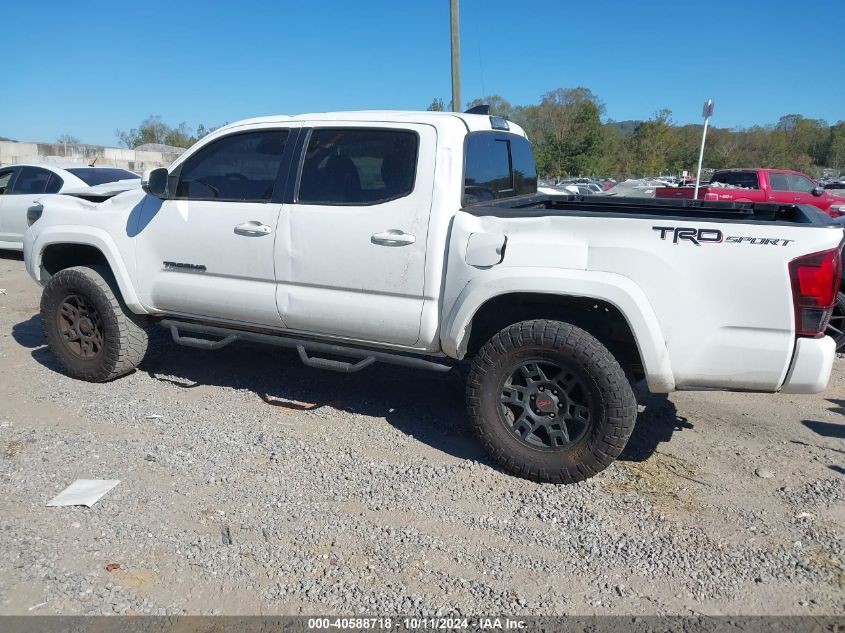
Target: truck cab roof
(472, 122)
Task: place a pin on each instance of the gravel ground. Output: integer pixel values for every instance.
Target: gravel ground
(252, 484)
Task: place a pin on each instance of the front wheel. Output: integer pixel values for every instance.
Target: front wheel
(549, 402)
(836, 325)
(88, 326)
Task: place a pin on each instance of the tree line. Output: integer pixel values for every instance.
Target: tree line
(571, 137)
(154, 130)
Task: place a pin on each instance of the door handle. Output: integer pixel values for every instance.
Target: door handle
(253, 227)
(393, 237)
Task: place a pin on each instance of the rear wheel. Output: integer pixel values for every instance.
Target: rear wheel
(88, 327)
(549, 402)
(836, 325)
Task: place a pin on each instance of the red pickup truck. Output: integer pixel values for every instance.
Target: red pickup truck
(761, 185)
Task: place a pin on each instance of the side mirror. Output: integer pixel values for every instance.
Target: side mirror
(154, 182)
(818, 191)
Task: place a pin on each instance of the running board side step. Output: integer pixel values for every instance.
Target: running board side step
(363, 357)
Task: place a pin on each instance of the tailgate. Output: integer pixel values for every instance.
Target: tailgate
(678, 193)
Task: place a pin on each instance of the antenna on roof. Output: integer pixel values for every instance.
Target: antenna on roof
(479, 109)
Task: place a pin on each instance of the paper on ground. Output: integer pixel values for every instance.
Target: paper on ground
(83, 492)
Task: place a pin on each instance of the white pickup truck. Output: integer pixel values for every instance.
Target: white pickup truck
(418, 238)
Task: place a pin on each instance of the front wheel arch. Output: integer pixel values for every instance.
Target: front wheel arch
(58, 248)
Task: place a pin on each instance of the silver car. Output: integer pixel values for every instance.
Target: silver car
(21, 184)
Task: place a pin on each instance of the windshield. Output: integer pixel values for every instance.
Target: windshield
(92, 176)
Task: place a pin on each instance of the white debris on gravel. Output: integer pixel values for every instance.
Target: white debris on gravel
(83, 492)
(764, 473)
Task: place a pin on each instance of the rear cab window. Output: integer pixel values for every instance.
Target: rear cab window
(744, 179)
(498, 165)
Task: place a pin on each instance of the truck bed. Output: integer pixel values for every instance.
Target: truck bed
(711, 278)
(755, 212)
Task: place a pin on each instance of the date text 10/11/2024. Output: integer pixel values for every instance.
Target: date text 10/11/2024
(360, 623)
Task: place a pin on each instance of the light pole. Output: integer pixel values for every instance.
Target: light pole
(456, 55)
(706, 112)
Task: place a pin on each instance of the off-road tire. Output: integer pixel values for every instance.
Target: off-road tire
(613, 405)
(836, 325)
(123, 336)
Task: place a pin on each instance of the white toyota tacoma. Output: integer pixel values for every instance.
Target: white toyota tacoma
(419, 238)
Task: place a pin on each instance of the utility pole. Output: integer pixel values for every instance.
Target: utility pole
(706, 112)
(456, 56)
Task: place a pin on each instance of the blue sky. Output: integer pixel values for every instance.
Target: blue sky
(87, 68)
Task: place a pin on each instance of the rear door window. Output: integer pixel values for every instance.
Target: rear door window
(358, 166)
(498, 166)
(239, 167)
(32, 180)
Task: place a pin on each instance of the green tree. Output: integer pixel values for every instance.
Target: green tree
(567, 131)
(654, 142)
(180, 136)
(151, 130)
(836, 146)
(436, 105)
(154, 130)
(499, 106)
(203, 130)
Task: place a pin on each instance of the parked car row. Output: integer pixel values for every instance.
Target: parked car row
(576, 186)
(835, 184)
(21, 184)
(761, 185)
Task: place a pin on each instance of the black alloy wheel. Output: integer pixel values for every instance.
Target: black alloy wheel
(88, 327)
(80, 326)
(545, 404)
(549, 401)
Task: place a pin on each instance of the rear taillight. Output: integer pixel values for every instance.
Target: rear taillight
(815, 282)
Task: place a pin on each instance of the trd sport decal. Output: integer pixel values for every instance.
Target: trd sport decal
(713, 236)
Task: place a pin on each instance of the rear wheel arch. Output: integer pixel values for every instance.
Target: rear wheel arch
(599, 318)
